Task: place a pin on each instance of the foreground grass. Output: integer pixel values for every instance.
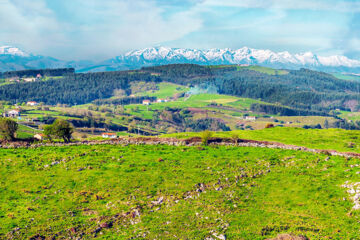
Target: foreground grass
(250, 193)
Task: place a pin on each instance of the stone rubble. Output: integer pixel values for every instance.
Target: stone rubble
(354, 190)
(194, 141)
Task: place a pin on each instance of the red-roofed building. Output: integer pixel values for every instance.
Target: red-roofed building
(32, 103)
(146, 102)
(39, 136)
(109, 135)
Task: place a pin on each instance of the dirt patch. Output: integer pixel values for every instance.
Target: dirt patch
(289, 237)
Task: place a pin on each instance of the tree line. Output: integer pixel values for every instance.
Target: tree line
(34, 72)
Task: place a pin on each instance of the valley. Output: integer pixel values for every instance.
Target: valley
(182, 98)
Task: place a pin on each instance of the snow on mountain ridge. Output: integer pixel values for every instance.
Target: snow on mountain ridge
(242, 55)
(8, 50)
(12, 58)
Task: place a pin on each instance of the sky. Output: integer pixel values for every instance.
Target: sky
(101, 29)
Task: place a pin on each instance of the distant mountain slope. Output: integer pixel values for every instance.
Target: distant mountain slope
(12, 58)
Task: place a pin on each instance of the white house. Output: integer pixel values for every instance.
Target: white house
(250, 118)
(146, 102)
(30, 79)
(32, 103)
(13, 113)
(160, 100)
(109, 135)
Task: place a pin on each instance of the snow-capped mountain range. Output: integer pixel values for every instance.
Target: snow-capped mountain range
(8, 50)
(12, 58)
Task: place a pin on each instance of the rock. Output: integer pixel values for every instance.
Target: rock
(158, 202)
(219, 236)
(286, 236)
(135, 213)
(106, 225)
(37, 237)
(97, 230)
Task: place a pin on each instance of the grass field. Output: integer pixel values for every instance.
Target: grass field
(194, 101)
(266, 70)
(354, 116)
(336, 139)
(257, 68)
(25, 132)
(167, 192)
(166, 90)
(346, 77)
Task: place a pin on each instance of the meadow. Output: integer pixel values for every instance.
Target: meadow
(168, 192)
(335, 139)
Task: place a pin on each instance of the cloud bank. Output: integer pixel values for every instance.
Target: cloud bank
(95, 29)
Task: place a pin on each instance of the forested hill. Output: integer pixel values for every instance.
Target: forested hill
(303, 88)
(33, 73)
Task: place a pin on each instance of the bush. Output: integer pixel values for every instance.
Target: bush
(8, 128)
(205, 136)
(235, 138)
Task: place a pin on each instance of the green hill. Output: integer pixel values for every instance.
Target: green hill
(168, 192)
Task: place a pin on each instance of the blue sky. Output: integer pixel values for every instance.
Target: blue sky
(100, 29)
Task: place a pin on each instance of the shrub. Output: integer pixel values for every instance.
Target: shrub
(205, 136)
(235, 138)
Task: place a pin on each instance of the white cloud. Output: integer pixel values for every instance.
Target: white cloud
(112, 27)
(335, 5)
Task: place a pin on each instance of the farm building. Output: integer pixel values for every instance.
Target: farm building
(160, 100)
(109, 135)
(32, 103)
(29, 79)
(146, 102)
(39, 136)
(12, 113)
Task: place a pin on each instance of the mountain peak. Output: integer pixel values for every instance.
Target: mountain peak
(242, 55)
(14, 51)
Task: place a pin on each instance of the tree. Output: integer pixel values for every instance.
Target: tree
(48, 131)
(60, 129)
(8, 128)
